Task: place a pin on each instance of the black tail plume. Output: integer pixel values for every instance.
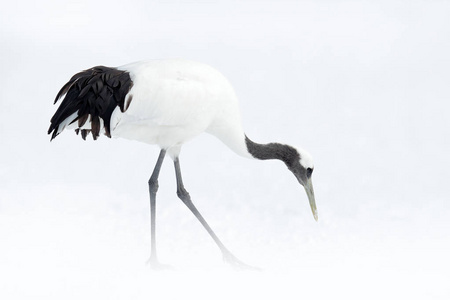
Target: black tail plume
(92, 94)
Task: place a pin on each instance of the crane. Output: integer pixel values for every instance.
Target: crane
(168, 102)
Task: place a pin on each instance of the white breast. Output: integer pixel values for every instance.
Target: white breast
(174, 101)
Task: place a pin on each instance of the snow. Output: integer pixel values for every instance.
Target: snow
(363, 86)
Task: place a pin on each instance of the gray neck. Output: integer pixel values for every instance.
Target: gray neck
(285, 153)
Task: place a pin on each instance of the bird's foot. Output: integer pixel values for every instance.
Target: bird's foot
(157, 266)
(237, 264)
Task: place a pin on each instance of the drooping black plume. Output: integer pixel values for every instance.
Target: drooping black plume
(92, 94)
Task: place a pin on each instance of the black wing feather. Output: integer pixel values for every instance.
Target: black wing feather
(93, 93)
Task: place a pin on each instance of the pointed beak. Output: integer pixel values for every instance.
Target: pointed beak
(312, 200)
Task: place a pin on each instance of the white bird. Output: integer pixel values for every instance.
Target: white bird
(167, 103)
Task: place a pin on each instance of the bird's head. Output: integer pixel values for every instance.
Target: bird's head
(302, 167)
(298, 161)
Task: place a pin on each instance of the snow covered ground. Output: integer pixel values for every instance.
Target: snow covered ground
(362, 86)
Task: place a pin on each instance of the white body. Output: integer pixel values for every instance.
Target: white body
(172, 101)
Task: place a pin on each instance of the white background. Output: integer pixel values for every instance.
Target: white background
(363, 85)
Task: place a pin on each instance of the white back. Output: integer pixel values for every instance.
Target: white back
(174, 100)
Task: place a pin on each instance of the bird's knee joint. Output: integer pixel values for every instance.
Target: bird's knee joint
(184, 195)
(153, 185)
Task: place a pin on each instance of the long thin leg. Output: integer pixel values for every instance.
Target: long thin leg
(186, 198)
(153, 188)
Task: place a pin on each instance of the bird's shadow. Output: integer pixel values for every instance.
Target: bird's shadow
(234, 264)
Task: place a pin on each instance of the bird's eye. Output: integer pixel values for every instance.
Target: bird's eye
(309, 172)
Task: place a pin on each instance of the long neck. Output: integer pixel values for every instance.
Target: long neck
(285, 153)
